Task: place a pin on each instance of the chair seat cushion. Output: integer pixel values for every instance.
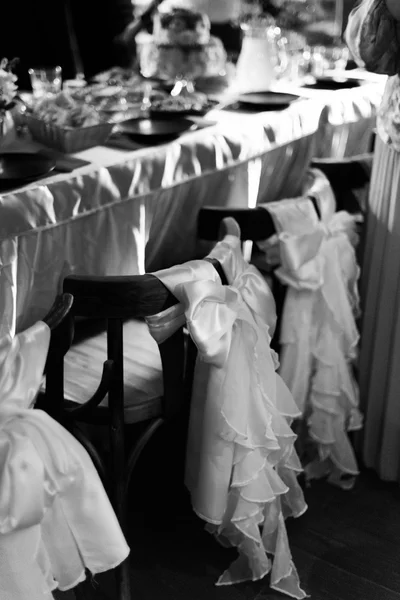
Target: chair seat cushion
(143, 387)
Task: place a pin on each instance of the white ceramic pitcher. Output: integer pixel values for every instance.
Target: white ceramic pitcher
(262, 58)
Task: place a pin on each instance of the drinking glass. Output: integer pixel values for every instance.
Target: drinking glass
(330, 58)
(45, 81)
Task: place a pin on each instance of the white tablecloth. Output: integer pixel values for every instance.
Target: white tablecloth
(131, 210)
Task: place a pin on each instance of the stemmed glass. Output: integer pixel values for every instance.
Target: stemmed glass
(45, 81)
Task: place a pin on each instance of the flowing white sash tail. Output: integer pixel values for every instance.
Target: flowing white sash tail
(241, 466)
(319, 335)
(55, 517)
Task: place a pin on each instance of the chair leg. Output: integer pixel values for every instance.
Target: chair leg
(123, 581)
(79, 592)
(93, 453)
(122, 572)
(117, 490)
(120, 507)
(138, 448)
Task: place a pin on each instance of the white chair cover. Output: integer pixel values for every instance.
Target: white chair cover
(241, 466)
(317, 185)
(55, 517)
(319, 335)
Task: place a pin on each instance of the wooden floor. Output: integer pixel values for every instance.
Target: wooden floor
(346, 547)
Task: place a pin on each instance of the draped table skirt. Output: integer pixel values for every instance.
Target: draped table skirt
(131, 211)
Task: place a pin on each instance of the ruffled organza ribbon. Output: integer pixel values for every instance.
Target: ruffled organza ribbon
(241, 467)
(49, 487)
(319, 335)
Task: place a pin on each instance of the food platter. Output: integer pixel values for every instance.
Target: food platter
(197, 105)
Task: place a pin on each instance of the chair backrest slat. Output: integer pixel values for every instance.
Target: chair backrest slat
(135, 296)
(255, 224)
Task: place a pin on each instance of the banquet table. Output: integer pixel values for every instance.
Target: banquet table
(134, 209)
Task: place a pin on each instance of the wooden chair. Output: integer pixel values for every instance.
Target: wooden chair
(131, 361)
(256, 224)
(349, 179)
(347, 176)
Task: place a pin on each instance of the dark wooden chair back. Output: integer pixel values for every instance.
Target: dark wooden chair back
(255, 224)
(108, 302)
(346, 176)
(116, 299)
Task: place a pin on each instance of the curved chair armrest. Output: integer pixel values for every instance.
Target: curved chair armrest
(59, 310)
(81, 411)
(62, 329)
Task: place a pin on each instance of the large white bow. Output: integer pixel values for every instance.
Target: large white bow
(319, 334)
(48, 483)
(241, 465)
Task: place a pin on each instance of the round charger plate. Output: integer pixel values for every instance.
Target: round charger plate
(334, 83)
(157, 128)
(24, 166)
(267, 99)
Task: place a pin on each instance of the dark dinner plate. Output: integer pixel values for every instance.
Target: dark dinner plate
(333, 83)
(23, 167)
(155, 128)
(266, 100)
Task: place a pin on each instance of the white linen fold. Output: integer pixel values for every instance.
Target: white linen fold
(50, 493)
(241, 466)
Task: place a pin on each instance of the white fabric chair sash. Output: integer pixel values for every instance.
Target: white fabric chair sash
(241, 466)
(317, 185)
(51, 498)
(319, 335)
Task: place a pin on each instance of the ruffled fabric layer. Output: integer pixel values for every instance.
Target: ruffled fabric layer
(319, 336)
(320, 377)
(51, 497)
(241, 466)
(263, 470)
